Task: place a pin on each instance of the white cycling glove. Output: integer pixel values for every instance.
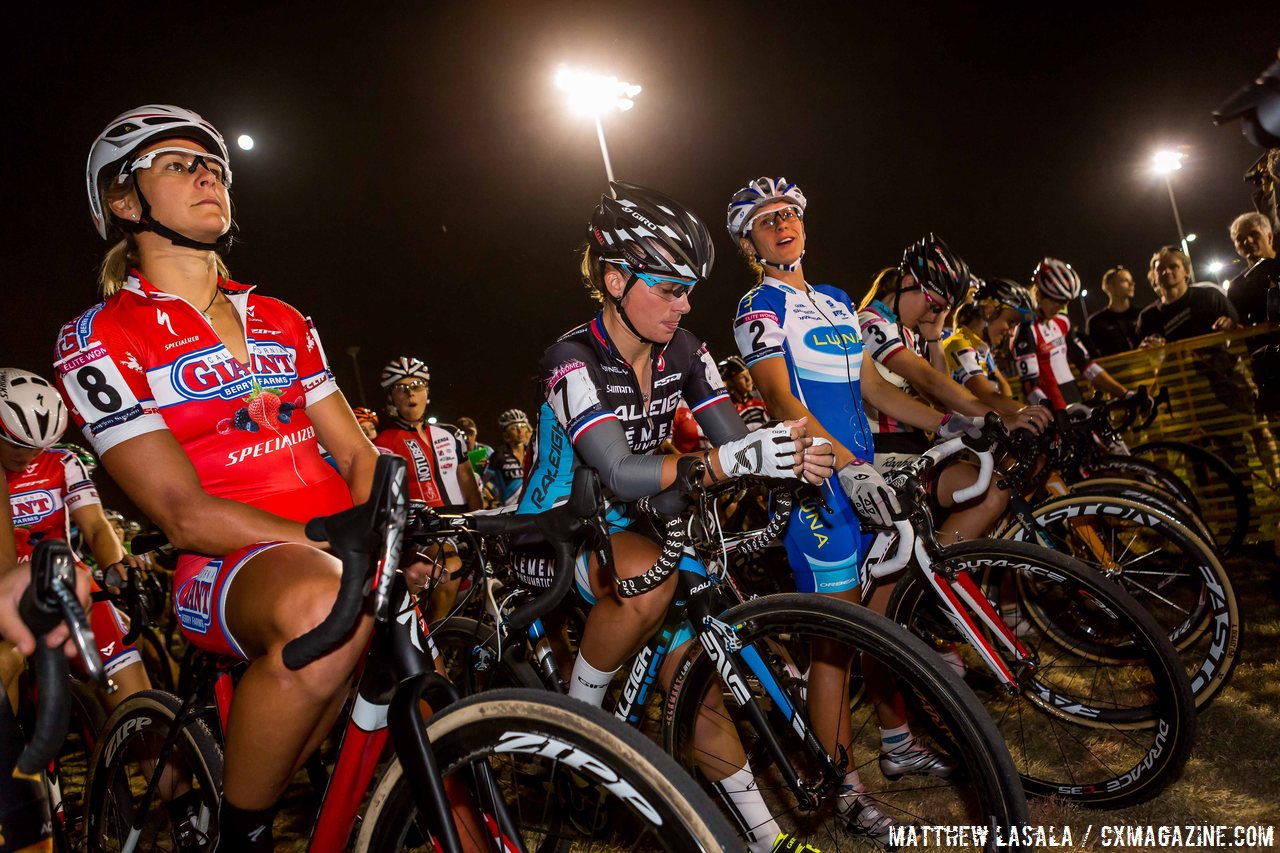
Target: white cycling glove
(953, 425)
(768, 452)
(870, 495)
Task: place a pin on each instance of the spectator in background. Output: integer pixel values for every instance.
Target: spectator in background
(1183, 310)
(477, 452)
(1251, 234)
(1115, 328)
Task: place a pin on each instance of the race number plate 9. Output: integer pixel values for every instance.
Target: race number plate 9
(96, 388)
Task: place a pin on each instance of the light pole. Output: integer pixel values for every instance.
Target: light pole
(593, 95)
(354, 352)
(1165, 163)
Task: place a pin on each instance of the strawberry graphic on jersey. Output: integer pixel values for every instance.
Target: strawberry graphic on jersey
(264, 409)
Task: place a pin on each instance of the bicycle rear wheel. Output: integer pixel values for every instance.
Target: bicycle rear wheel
(1163, 564)
(943, 712)
(1105, 733)
(182, 817)
(570, 775)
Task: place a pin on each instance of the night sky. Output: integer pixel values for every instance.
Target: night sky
(417, 186)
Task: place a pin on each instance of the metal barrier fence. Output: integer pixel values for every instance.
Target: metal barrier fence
(1213, 392)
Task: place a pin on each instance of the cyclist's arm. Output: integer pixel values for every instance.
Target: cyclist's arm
(631, 476)
(98, 535)
(339, 433)
(1080, 355)
(923, 378)
(980, 387)
(1006, 390)
(156, 473)
(774, 384)
(895, 402)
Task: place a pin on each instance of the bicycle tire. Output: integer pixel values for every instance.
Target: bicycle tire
(501, 725)
(472, 660)
(1115, 464)
(1237, 494)
(988, 791)
(1143, 492)
(1103, 735)
(118, 776)
(1163, 564)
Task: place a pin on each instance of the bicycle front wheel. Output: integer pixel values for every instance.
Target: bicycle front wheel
(1163, 564)
(789, 632)
(1103, 732)
(570, 776)
(183, 809)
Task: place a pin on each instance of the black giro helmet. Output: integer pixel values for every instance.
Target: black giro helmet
(731, 366)
(934, 266)
(626, 226)
(1005, 291)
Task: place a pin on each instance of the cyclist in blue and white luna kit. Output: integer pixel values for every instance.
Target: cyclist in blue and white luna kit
(803, 346)
(611, 389)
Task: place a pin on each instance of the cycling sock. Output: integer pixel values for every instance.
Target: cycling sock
(588, 683)
(245, 830)
(891, 739)
(740, 794)
(850, 789)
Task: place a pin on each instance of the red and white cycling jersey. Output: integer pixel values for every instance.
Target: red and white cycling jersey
(146, 360)
(43, 494)
(1045, 351)
(434, 469)
(884, 338)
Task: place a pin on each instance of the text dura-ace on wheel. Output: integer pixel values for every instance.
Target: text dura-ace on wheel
(1106, 733)
(944, 714)
(572, 778)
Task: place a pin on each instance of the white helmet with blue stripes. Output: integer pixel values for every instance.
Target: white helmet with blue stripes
(761, 191)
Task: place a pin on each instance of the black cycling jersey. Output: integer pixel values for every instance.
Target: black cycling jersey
(594, 413)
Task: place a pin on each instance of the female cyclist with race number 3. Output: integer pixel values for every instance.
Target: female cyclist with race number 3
(206, 403)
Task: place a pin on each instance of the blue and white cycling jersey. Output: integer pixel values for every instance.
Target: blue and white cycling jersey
(817, 333)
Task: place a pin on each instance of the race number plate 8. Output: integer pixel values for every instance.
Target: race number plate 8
(95, 385)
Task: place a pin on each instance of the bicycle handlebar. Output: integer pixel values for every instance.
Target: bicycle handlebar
(47, 602)
(563, 527)
(358, 536)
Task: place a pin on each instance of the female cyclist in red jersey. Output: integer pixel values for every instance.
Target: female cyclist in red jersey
(206, 403)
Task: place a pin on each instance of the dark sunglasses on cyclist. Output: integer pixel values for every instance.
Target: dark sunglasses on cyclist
(173, 158)
(769, 219)
(668, 288)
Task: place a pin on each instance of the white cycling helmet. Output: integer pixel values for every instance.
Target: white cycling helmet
(32, 413)
(511, 417)
(1057, 280)
(111, 152)
(404, 367)
(753, 196)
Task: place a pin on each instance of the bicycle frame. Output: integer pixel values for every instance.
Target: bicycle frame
(396, 674)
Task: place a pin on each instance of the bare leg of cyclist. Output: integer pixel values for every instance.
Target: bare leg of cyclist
(974, 519)
(618, 627)
(11, 665)
(278, 714)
